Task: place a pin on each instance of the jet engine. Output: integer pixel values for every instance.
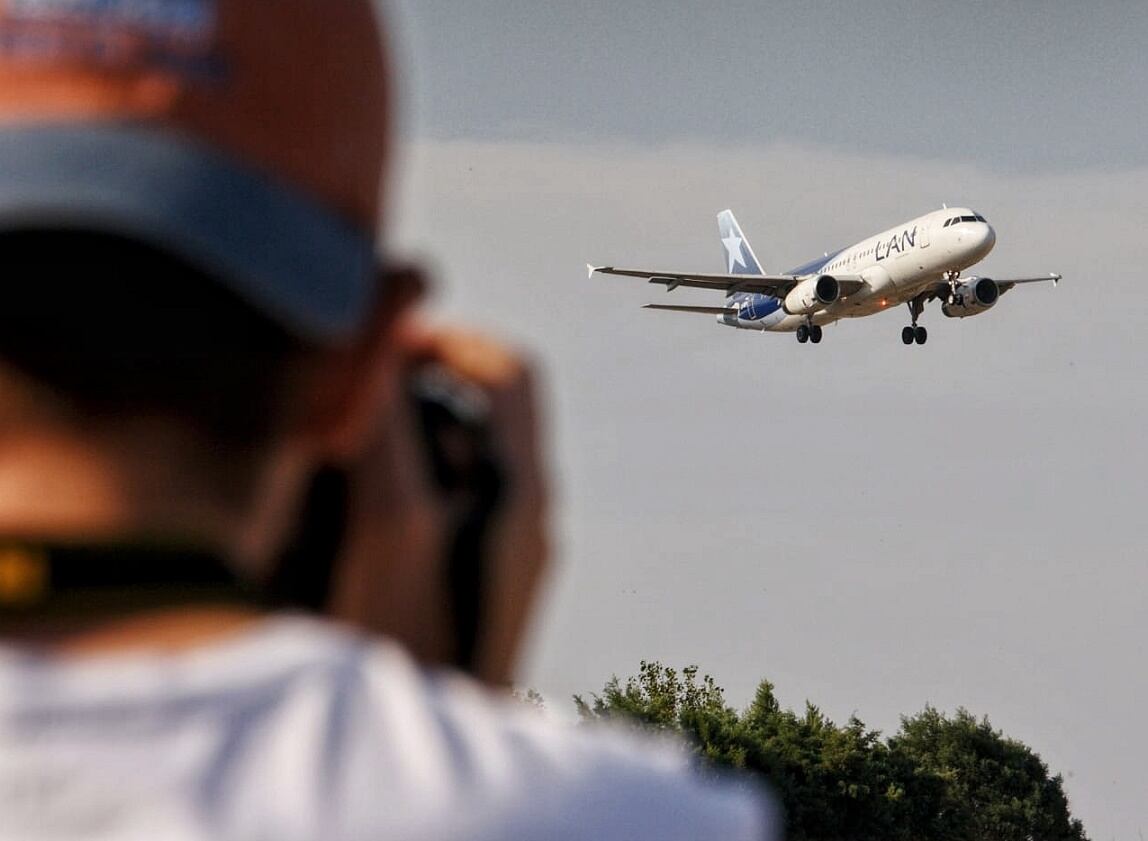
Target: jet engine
(971, 297)
(812, 294)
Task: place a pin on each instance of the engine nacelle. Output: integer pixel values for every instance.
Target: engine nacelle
(971, 297)
(812, 294)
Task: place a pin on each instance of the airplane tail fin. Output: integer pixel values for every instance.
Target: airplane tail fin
(740, 258)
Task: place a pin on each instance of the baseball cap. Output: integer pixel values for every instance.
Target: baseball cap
(247, 137)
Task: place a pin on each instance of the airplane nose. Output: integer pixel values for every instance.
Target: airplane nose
(987, 239)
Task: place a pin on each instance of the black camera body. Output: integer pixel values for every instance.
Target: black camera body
(454, 423)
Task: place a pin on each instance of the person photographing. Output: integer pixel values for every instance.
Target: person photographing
(200, 316)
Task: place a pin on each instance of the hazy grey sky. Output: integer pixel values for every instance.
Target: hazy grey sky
(870, 526)
(1025, 83)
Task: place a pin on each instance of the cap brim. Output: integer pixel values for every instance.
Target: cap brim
(286, 254)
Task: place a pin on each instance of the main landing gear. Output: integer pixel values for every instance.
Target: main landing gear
(915, 333)
(809, 333)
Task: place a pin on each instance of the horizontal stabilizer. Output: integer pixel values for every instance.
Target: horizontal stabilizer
(700, 310)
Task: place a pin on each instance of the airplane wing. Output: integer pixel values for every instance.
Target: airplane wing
(1006, 284)
(776, 285)
(940, 290)
(702, 310)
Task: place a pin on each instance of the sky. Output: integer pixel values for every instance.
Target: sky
(869, 526)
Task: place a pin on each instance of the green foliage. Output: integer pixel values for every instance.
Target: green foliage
(937, 779)
(1004, 787)
(658, 697)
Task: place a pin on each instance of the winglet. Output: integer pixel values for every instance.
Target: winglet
(1056, 278)
(590, 270)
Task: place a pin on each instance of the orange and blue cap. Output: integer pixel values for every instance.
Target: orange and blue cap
(246, 137)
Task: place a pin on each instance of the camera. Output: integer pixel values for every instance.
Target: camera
(453, 422)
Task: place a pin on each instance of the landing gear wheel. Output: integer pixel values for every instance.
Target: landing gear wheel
(909, 335)
(815, 333)
(802, 334)
(921, 335)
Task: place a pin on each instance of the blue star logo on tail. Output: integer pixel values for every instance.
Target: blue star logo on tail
(732, 245)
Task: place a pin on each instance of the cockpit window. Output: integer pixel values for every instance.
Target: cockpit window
(982, 219)
(968, 219)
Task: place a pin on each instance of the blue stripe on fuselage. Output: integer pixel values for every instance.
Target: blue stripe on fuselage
(753, 306)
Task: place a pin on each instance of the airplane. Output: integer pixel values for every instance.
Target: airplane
(912, 264)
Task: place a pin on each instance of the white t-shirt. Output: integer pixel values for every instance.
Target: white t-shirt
(300, 730)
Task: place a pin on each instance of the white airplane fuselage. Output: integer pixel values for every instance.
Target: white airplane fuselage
(896, 265)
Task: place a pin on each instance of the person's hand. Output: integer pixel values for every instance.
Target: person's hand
(390, 577)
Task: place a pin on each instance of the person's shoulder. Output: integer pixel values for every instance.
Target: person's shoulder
(469, 763)
(301, 729)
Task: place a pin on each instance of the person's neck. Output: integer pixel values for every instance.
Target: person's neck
(54, 487)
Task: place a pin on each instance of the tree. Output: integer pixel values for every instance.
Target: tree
(937, 779)
(1003, 788)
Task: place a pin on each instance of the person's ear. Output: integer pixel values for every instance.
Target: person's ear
(358, 383)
